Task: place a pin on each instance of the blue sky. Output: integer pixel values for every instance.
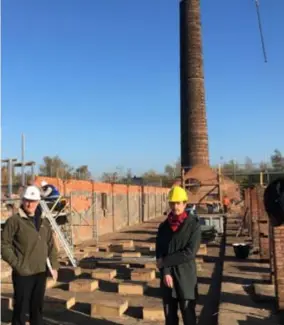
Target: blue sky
(97, 82)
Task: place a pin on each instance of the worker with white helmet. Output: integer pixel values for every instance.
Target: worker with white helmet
(49, 192)
(26, 244)
(178, 240)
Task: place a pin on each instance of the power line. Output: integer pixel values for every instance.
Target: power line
(260, 30)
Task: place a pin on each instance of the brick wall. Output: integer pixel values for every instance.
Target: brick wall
(254, 217)
(278, 247)
(271, 240)
(257, 221)
(248, 220)
(264, 226)
(125, 205)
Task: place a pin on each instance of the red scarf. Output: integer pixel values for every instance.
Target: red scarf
(176, 221)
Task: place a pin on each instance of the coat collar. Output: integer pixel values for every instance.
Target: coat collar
(23, 214)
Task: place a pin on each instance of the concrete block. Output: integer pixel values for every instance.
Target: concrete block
(104, 274)
(131, 288)
(202, 250)
(109, 308)
(104, 247)
(127, 243)
(89, 250)
(153, 313)
(151, 265)
(7, 287)
(131, 254)
(199, 260)
(83, 285)
(116, 248)
(50, 283)
(151, 246)
(102, 255)
(143, 250)
(80, 255)
(68, 273)
(5, 270)
(143, 275)
(6, 303)
(61, 299)
(264, 292)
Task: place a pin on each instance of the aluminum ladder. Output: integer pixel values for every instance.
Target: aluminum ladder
(57, 230)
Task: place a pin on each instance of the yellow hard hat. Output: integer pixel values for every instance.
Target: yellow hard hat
(177, 194)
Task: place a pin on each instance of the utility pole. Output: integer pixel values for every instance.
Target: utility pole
(23, 161)
(10, 165)
(234, 161)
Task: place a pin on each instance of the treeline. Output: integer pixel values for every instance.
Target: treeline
(245, 174)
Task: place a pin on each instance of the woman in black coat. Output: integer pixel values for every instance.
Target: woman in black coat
(177, 243)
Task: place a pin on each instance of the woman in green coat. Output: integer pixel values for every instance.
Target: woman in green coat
(178, 240)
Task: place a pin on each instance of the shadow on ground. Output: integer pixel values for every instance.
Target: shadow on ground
(141, 232)
(240, 280)
(209, 312)
(249, 260)
(65, 317)
(72, 317)
(245, 300)
(273, 320)
(253, 269)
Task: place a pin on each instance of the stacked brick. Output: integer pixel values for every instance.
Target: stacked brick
(278, 248)
(255, 216)
(264, 227)
(271, 240)
(247, 221)
(257, 221)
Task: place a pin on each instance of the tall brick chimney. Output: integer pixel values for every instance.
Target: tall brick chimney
(194, 137)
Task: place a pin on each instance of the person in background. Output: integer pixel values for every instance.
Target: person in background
(27, 243)
(49, 192)
(226, 203)
(177, 242)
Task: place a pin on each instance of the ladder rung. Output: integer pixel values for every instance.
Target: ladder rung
(59, 233)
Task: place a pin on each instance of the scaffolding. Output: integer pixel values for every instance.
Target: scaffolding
(11, 164)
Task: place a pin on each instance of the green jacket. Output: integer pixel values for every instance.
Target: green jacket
(25, 248)
(178, 251)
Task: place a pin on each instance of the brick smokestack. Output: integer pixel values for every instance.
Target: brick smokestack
(194, 136)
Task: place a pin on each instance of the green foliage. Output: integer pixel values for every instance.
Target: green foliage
(56, 167)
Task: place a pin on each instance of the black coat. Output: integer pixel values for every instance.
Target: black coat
(178, 250)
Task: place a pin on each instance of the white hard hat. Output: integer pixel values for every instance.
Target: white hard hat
(32, 193)
(43, 183)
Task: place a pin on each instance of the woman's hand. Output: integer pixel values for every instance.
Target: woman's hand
(168, 281)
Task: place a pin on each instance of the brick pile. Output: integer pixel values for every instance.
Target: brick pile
(269, 240)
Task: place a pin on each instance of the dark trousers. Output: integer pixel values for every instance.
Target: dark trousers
(28, 298)
(187, 308)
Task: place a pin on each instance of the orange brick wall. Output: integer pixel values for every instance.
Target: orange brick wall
(126, 205)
